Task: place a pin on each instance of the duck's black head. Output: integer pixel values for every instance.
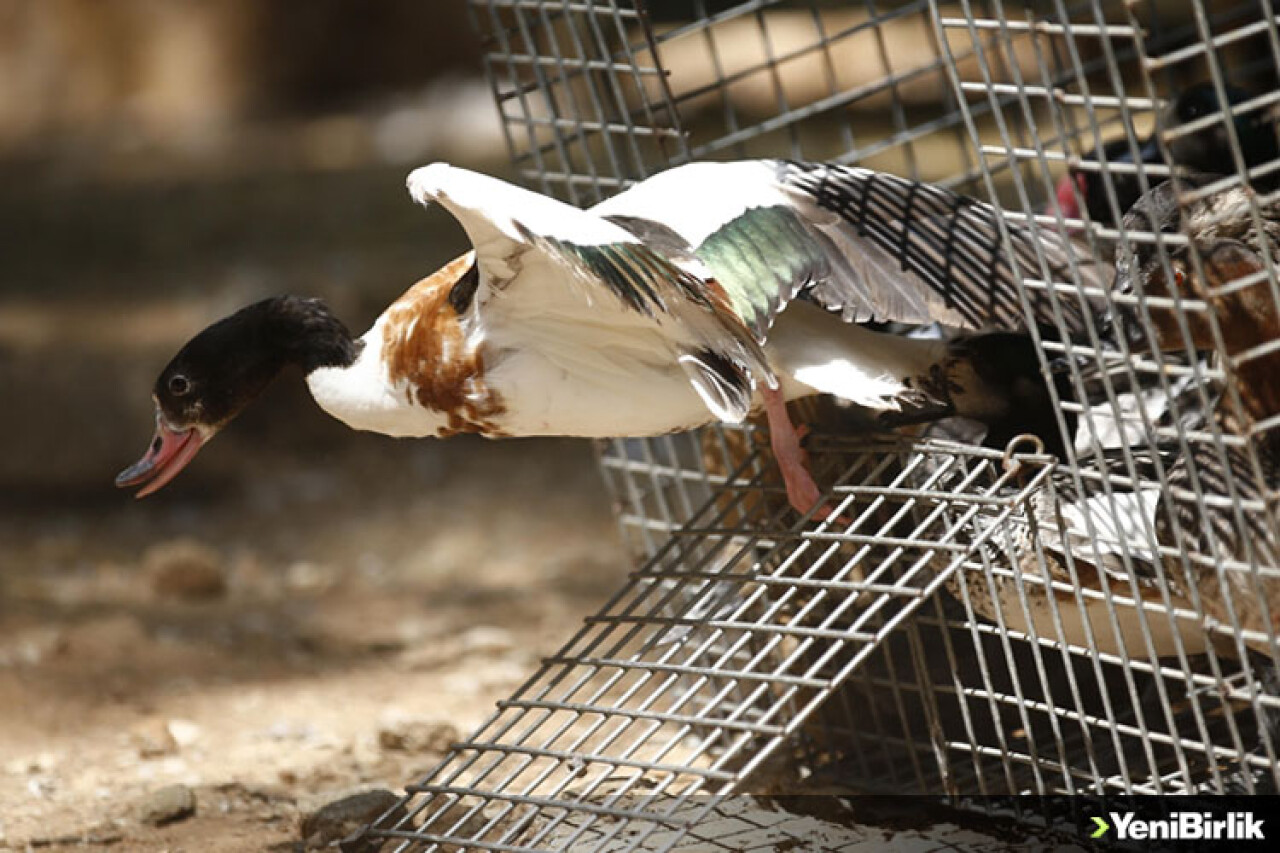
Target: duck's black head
(1206, 150)
(222, 369)
(1090, 185)
(1209, 149)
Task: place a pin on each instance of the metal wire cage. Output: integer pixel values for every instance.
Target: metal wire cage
(978, 620)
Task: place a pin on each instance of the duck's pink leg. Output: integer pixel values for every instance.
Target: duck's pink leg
(802, 491)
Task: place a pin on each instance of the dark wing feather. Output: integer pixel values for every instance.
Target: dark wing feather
(1226, 527)
(1206, 489)
(925, 253)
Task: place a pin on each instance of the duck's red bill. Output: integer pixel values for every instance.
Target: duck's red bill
(169, 453)
(1071, 188)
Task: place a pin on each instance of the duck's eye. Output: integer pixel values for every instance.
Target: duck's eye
(179, 385)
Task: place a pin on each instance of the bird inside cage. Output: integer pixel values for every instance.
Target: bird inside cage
(1184, 523)
(1088, 188)
(1220, 507)
(708, 292)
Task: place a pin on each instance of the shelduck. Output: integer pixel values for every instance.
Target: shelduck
(704, 293)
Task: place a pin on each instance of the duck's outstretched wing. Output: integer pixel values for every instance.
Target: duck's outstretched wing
(870, 245)
(542, 257)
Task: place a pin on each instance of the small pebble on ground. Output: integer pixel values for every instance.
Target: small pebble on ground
(185, 569)
(338, 819)
(167, 805)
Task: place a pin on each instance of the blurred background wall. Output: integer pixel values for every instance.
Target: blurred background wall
(163, 162)
(212, 78)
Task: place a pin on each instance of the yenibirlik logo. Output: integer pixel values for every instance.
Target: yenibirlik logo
(1181, 826)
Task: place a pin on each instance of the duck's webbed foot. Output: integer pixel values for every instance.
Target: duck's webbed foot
(793, 461)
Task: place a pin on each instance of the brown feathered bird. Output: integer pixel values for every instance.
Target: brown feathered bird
(1219, 512)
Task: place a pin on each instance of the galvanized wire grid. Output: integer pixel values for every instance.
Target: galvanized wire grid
(698, 677)
(582, 100)
(1163, 441)
(976, 622)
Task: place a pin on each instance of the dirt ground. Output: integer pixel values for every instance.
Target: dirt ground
(307, 611)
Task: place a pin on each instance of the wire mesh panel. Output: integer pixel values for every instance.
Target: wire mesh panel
(1168, 414)
(972, 620)
(699, 677)
(582, 99)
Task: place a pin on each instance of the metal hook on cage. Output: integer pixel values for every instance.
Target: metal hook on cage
(1013, 465)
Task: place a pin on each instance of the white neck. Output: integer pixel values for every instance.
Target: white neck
(362, 397)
